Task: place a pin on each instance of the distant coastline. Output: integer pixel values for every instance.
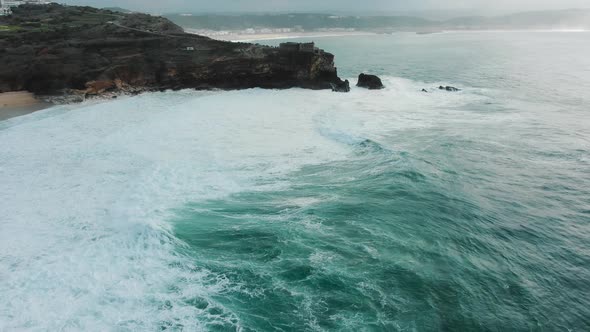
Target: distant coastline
(255, 37)
(252, 37)
(218, 25)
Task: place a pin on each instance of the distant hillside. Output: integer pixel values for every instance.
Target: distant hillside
(563, 19)
(304, 21)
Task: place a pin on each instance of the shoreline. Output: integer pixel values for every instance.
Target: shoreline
(254, 37)
(13, 104)
(237, 37)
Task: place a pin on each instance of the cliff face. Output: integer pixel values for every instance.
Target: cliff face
(51, 48)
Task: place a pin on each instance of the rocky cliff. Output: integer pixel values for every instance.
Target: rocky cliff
(50, 49)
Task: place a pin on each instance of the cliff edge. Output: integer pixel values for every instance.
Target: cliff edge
(49, 49)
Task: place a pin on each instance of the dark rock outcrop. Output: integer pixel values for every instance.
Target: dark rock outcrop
(49, 49)
(370, 82)
(449, 88)
(341, 87)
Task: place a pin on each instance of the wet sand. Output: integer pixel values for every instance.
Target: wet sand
(19, 103)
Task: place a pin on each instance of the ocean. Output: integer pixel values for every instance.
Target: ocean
(298, 210)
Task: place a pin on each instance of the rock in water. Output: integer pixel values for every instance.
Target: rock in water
(341, 87)
(93, 51)
(448, 88)
(370, 82)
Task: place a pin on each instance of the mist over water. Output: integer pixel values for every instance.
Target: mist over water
(305, 210)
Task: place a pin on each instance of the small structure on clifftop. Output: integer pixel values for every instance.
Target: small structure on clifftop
(307, 47)
(289, 46)
(300, 47)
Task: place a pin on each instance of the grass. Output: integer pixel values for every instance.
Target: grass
(8, 28)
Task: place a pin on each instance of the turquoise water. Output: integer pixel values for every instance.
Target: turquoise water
(389, 210)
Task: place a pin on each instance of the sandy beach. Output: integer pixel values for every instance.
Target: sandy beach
(19, 103)
(238, 37)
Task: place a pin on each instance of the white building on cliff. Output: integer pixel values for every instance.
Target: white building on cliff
(5, 5)
(4, 9)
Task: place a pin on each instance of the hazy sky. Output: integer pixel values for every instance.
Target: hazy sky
(479, 6)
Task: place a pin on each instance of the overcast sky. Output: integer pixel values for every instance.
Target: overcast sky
(475, 6)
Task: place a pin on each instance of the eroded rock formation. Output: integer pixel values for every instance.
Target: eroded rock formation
(370, 82)
(341, 87)
(449, 88)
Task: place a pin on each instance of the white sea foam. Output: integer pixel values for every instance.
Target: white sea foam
(87, 192)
